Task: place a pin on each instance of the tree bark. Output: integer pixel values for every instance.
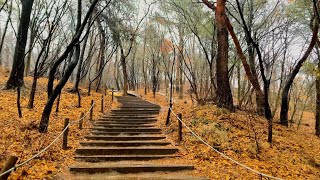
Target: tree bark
(224, 95)
(53, 94)
(124, 71)
(16, 75)
(317, 126)
(5, 31)
(285, 93)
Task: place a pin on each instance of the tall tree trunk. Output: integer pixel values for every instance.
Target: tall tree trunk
(78, 75)
(53, 94)
(317, 127)
(285, 93)
(180, 59)
(224, 95)
(5, 31)
(116, 74)
(29, 55)
(16, 75)
(124, 71)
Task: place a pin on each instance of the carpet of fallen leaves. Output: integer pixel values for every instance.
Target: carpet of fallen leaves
(20, 136)
(294, 154)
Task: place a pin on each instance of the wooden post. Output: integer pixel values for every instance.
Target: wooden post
(91, 110)
(105, 90)
(168, 117)
(8, 165)
(180, 128)
(102, 104)
(65, 134)
(81, 120)
(112, 93)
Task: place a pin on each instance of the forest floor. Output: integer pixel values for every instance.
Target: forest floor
(20, 136)
(294, 153)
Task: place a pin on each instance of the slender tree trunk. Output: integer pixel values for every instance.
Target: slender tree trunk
(29, 55)
(44, 123)
(78, 75)
(180, 59)
(124, 71)
(5, 31)
(224, 95)
(16, 75)
(285, 93)
(317, 126)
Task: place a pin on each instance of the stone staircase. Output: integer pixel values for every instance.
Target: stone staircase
(126, 144)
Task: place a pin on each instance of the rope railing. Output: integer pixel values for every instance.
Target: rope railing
(223, 155)
(47, 147)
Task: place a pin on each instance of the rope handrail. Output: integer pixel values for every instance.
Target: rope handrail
(47, 147)
(223, 155)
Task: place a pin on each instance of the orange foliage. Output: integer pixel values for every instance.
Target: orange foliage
(20, 137)
(166, 46)
(294, 154)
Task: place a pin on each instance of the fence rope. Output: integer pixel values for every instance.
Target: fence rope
(47, 147)
(223, 155)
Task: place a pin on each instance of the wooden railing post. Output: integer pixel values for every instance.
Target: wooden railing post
(8, 165)
(102, 104)
(168, 117)
(81, 120)
(112, 93)
(105, 89)
(91, 110)
(180, 128)
(65, 134)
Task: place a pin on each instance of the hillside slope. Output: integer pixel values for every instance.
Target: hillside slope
(20, 136)
(294, 154)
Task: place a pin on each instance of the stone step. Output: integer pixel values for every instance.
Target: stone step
(127, 119)
(125, 143)
(125, 137)
(128, 116)
(146, 150)
(124, 122)
(135, 114)
(141, 130)
(128, 168)
(123, 125)
(101, 158)
(134, 110)
(139, 106)
(122, 133)
(128, 122)
(139, 176)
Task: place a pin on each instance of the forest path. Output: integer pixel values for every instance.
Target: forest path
(127, 144)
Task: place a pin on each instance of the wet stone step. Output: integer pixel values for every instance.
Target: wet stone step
(127, 120)
(127, 117)
(126, 129)
(101, 158)
(125, 137)
(147, 150)
(125, 143)
(122, 133)
(122, 125)
(129, 168)
(124, 122)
